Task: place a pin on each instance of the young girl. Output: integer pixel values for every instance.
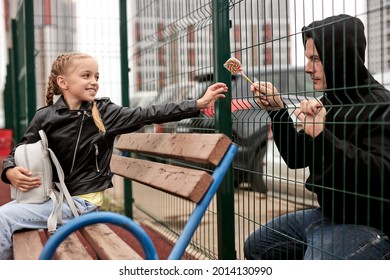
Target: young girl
(81, 131)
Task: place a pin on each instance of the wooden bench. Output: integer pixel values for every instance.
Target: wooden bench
(90, 237)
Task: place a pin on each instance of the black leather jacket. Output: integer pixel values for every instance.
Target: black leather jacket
(83, 152)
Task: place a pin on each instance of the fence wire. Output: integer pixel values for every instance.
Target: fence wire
(171, 58)
(266, 37)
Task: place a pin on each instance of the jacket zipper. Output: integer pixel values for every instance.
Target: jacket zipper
(96, 157)
(78, 140)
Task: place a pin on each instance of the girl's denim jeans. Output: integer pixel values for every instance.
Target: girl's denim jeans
(15, 216)
(307, 234)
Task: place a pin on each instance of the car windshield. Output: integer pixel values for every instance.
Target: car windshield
(175, 93)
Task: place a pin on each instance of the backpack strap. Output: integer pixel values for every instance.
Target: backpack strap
(58, 197)
(56, 212)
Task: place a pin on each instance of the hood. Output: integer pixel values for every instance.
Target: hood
(341, 45)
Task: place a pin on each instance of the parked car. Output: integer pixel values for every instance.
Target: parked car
(142, 98)
(250, 122)
(173, 93)
(283, 182)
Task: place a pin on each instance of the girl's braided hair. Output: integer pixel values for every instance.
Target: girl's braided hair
(59, 67)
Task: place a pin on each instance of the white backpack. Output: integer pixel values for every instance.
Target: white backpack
(38, 158)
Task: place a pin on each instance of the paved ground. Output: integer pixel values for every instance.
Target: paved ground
(251, 209)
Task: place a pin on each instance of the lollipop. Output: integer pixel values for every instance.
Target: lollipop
(233, 65)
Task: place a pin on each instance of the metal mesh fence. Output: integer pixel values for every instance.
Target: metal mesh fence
(280, 168)
(266, 37)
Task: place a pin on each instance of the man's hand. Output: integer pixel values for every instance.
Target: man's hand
(312, 115)
(266, 95)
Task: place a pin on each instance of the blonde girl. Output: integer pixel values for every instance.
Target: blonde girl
(81, 130)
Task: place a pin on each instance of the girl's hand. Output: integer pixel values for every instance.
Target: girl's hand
(312, 115)
(266, 95)
(213, 92)
(22, 179)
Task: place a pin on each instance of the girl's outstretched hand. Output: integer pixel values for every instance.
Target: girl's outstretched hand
(213, 92)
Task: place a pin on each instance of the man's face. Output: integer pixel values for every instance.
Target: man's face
(314, 66)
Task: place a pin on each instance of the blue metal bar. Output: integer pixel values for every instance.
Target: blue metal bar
(200, 209)
(94, 218)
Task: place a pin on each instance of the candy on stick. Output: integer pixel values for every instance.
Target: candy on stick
(234, 66)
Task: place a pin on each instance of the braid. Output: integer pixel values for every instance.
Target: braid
(59, 67)
(50, 93)
(97, 119)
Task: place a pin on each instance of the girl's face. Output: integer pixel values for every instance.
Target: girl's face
(80, 83)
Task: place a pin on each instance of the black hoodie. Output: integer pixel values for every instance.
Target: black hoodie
(349, 161)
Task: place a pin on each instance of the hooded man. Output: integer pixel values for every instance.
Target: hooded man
(344, 143)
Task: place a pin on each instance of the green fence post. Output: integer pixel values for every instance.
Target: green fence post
(23, 65)
(223, 124)
(9, 95)
(128, 193)
(30, 62)
(15, 85)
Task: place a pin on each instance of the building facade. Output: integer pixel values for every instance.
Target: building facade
(378, 35)
(175, 46)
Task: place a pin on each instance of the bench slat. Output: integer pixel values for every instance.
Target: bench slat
(27, 245)
(108, 245)
(72, 249)
(197, 147)
(187, 183)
